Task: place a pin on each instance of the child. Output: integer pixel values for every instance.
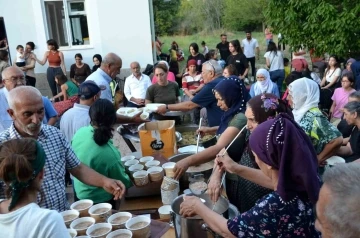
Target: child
(68, 87)
(205, 48)
(20, 57)
(341, 97)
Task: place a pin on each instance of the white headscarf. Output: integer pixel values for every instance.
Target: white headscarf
(305, 95)
(265, 86)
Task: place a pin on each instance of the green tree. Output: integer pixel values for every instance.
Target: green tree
(165, 16)
(330, 26)
(244, 14)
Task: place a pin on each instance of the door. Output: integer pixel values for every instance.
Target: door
(3, 37)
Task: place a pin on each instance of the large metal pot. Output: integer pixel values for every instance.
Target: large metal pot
(184, 180)
(192, 128)
(195, 226)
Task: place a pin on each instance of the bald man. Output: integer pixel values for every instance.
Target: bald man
(110, 67)
(12, 78)
(136, 86)
(27, 111)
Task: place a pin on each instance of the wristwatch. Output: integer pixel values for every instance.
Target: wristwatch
(167, 107)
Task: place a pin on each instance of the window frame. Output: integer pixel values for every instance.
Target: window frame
(67, 14)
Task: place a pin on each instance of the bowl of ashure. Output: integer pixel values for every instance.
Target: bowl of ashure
(139, 226)
(82, 224)
(69, 216)
(122, 233)
(119, 219)
(99, 230)
(82, 206)
(100, 212)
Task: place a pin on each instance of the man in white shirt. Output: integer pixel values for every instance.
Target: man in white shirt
(110, 67)
(136, 86)
(249, 45)
(78, 116)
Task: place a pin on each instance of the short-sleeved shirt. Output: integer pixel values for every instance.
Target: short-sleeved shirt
(74, 119)
(224, 50)
(80, 74)
(102, 79)
(192, 82)
(239, 61)
(206, 98)
(355, 145)
(341, 98)
(59, 158)
(238, 121)
(200, 59)
(104, 159)
(49, 110)
(163, 94)
(272, 217)
(249, 47)
(319, 129)
(276, 60)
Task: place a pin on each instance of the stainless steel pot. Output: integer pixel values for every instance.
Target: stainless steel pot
(195, 226)
(184, 180)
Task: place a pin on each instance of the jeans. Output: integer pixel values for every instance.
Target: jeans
(252, 62)
(278, 76)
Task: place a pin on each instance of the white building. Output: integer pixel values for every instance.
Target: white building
(81, 26)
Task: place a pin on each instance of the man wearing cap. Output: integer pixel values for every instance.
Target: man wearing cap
(135, 86)
(110, 67)
(78, 116)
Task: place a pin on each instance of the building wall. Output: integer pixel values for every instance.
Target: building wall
(118, 26)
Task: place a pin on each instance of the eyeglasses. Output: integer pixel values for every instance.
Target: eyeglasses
(18, 79)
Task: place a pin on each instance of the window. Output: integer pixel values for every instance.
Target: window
(67, 22)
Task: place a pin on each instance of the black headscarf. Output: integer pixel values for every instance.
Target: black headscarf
(95, 67)
(234, 93)
(283, 144)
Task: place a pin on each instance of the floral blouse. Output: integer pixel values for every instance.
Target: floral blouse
(320, 130)
(272, 217)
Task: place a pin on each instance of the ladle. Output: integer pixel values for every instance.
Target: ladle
(198, 137)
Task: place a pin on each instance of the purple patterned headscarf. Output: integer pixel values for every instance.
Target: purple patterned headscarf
(282, 144)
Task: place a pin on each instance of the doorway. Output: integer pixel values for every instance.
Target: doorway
(3, 37)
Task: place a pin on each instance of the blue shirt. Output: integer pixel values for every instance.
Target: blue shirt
(206, 98)
(102, 78)
(49, 110)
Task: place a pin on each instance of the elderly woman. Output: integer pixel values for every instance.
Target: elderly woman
(164, 91)
(351, 151)
(94, 147)
(170, 75)
(231, 97)
(79, 71)
(22, 164)
(245, 184)
(288, 210)
(263, 84)
(304, 99)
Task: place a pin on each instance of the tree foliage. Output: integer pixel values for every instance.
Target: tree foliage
(165, 16)
(244, 14)
(328, 25)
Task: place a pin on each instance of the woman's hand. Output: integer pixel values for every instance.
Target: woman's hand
(187, 207)
(213, 188)
(203, 131)
(224, 162)
(180, 168)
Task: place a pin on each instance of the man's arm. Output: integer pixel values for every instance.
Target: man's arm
(184, 106)
(93, 178)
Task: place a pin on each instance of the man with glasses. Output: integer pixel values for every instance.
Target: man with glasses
(135, 86)
(12, 78)
(212, 75)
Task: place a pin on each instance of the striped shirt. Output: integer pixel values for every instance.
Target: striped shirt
(59, 157)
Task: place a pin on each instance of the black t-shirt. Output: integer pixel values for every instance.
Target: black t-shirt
(199, 58)
(345, 128)
(224, 50)
(239, 61)
(355, 145)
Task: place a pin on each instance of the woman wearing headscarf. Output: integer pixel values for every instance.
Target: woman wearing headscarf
(97, 59)
(303, 97)
(288, 210)
(263, 84)
(22, 169)
(246, 184)
(232, 96)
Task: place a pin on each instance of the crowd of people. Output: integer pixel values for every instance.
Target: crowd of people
(292, 160)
